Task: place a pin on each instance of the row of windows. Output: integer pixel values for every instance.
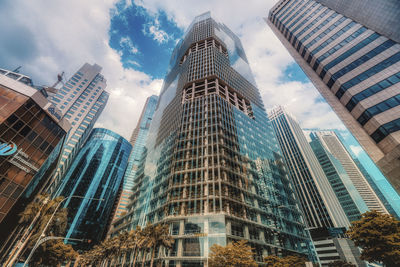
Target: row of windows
(290, 12)
(385, 130)
(348, 53)
(368, 73)
(358, 62)
(330, 40)
(306, 19)
(301, 16)
(376, 88)
(379, 108)
(314, 21)
(325, 32)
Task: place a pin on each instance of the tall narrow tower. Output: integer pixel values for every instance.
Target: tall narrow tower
(350, 50)
(332, 143)
(212, 168)
(138, 142)
(81, 101)
(325, 200)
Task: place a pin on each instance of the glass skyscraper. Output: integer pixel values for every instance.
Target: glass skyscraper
(96, 173)
(350, 50)
(138, 142)
(212, 168)
(349, 198)
(332, 143)
(326, 199)
(81, 101)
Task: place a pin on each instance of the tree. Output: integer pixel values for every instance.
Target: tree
(234, 254)
(340, 264)
(273, 261)
(51, 252)
(379, 237)
(288, 261)
(157, 237)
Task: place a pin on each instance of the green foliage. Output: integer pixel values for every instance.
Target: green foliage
(379, 237)
(234, 254)
(51, 252)
(288, 261)
(340, 264)
(129, 243)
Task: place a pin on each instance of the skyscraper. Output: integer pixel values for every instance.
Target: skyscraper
(212, 168)
(323, 199)
(138, 142)
(95, 174)
(350, 50)
(332, 143)
(350, 199)
(32, 134)
(81, 101)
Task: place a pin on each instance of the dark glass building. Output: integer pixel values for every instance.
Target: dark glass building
(212, 168)
(31, 137)
(96, 173)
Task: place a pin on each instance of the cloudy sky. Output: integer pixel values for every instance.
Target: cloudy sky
(133, 40)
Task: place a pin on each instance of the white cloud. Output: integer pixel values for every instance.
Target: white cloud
(46, 40)
(153, 29)
(50, 40)
(127, 43)
(267, 56)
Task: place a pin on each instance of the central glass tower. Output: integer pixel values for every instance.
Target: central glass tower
(212, 168)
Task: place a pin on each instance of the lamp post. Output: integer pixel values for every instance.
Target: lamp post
(38, 242)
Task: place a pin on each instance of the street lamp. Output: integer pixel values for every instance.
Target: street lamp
(38, 242)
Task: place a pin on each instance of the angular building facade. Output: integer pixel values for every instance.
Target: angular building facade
(32, 134)
(325, 201)
(212, 168)
(349, 198)
(138, 142)
(334, 146)
(81, 101)
(350, 50)
(95, 176)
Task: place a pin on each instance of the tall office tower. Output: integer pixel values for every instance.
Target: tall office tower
(350, 50)
(350, 199)
(320, 199)
(95, 174)
(384, 196)
(31, 136)
(81, 101)
(213, 168)
(332, 143)
(138, 142)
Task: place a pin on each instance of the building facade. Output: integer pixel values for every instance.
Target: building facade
(322, 200)
(350, 50)
(32, 133)
(348, 195)
(334, 146)
(138, 142)
(95, 176)
(81, 101)
(212, 168)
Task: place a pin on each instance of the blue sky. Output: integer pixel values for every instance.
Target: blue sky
(133, 40)
(145, 42)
